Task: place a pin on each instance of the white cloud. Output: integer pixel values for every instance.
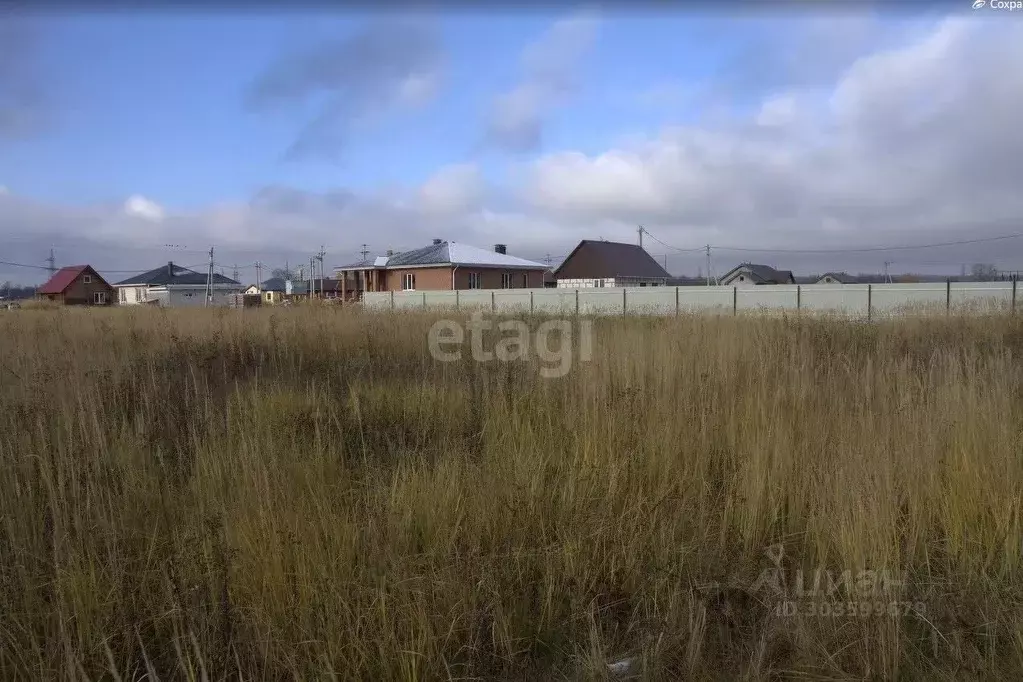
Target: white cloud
(452, 189)
(917, 143)
(138, 206)
(517, 116)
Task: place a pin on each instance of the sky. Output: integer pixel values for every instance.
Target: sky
(129, 139)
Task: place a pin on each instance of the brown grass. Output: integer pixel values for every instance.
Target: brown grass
(304, 494)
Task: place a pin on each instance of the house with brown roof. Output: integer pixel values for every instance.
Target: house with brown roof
(597, 263)
(751, 274)
(77, 285)
(441, 266)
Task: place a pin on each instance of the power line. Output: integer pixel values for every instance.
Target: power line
(872, 249)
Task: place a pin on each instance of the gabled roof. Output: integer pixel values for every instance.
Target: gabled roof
(450, 253)
(64, 277)
(600, 259)
(841, 277)
(761, 274)
(172, 274)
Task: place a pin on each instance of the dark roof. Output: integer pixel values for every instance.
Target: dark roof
(175, 274)
(762, 274)
(64, 277)
(842, 277)
(273, 284)
(600, 259)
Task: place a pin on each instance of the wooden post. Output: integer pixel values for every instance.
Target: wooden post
(493, 302)
(799, 297)
(530, 301)
(676, 301)
(392, 299)
(948, 295)
(424, 300)
(735, 299)
(456, 299)
(1015, 281)
(577, 302)
(870, 292)
(625, 307)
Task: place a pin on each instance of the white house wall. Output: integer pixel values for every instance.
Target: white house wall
(585, 283)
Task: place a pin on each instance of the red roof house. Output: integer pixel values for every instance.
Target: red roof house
(77, 285)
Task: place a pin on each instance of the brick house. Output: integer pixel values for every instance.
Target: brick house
(441, 266)
(77, 285)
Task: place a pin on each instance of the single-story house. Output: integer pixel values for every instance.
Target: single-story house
(836, 278)
(441, 266)
(751, 274)
(597, 263)
(173, 285)
(77, 285)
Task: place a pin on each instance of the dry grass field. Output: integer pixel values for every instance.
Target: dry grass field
(308, 494)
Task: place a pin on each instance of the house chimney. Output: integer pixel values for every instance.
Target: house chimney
(170, 268)
(500, 248)
(438, 241)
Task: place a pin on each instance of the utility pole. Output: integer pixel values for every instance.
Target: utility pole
(319, 257)
(209, 281)
(548, 260)
(234, 275)
(312, 274)
(640, 231)
(708, 264)
(887, 276)
(259, 277)
(53, 263)
(365, 251)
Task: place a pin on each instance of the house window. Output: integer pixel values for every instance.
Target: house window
(742, 278)
(409, 281)
(506, 280)
(475, 280)
(86, 279)
(598, 282)
(122, 295)
(99, 298)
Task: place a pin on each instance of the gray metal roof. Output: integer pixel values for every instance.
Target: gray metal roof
(172, 274)
(448, 253)
(762, 274)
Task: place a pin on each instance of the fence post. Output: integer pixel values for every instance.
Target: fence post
(392, 299)
(948, 295)
(493, 302)
(799, 297)
(424, 299)
(625, 307)
(676, 301)
(870, 295)
(456, 299)
(577, 302)
(735, 299)
(1015, 281)
(530, 301)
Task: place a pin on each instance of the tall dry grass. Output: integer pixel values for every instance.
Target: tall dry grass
(307, 494)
